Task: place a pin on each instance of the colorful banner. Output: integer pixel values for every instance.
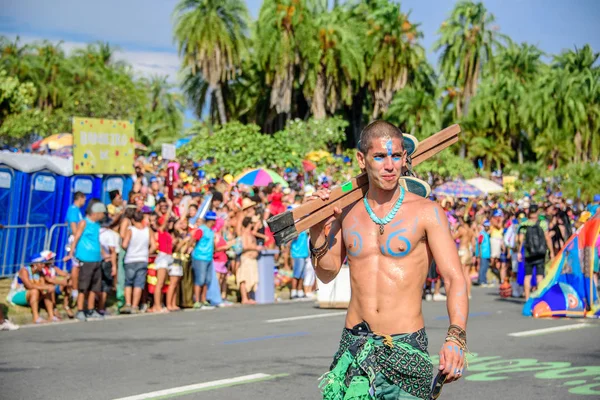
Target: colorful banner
(102, 146)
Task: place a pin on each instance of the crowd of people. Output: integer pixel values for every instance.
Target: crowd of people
(176, 231)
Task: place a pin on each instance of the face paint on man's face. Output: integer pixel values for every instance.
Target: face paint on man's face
(388, 146)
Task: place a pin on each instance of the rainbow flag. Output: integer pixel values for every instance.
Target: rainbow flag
(568, 290)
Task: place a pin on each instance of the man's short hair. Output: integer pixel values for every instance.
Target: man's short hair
(246, 221)
(533, 208)
(377, 129)
(78, 195)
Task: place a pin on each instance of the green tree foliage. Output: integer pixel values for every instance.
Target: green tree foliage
(18, 117)
(55, 87)
(235, 147)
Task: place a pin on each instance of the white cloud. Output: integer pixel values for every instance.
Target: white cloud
(144, 63)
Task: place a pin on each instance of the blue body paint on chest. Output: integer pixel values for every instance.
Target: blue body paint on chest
(396, 235)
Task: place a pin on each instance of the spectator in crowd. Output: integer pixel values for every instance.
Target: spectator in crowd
(247, 273)
(182, 246)
(139, 244)
(484, 252)
(62, 286)
(220, 257)
(464, 235)
(164, 259)
(73, 218)
(111, 246)
(87, 250)
(115, 207)
(300, 257)
(30, 288)
(5, 323)
(534, 243)
(202, 259)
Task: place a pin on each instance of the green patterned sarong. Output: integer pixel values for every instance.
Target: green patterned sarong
(368, 366)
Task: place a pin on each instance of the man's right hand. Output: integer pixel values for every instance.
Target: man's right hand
(319, 230)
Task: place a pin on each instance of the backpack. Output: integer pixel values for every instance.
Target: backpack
(535, 242)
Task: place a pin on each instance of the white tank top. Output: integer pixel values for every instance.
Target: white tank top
(139, 245)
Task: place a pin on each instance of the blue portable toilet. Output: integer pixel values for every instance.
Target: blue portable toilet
(122, 183)
(10, 188)
(35, 195)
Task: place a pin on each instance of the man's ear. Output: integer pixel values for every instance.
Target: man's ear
(361, 158)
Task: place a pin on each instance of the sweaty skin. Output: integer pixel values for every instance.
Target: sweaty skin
(388, 271)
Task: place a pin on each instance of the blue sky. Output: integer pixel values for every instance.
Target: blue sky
(142, 29)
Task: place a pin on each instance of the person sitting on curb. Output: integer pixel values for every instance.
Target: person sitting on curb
(62, 285)
(29, 287)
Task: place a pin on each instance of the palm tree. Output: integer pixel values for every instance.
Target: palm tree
(211, 37)
(581, 65)
(340, 63)
(393, 52)
(415, 111)
(554, 111)
(285, 41)
(467, 40)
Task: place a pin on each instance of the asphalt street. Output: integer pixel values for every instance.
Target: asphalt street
(235, 353)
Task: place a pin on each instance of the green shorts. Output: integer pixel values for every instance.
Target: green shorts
(20, 298)
(371, 366)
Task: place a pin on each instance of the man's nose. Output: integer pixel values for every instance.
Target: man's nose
(388, 163)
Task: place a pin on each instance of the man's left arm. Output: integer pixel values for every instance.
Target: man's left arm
(443, 249)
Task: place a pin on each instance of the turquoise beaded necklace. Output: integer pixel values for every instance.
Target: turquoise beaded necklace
(391, 214)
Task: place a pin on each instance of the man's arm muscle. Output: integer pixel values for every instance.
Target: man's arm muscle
(329, 265)
(445, 254)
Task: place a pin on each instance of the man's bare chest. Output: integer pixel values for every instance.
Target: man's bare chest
(363, 237)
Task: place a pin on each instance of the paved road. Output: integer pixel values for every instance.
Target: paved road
(128, 356)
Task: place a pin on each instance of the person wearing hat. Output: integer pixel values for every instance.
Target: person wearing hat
(248, 210)
(87, 250)
(29, 287)
(202, 259)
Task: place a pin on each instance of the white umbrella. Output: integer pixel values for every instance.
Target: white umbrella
(485, 185)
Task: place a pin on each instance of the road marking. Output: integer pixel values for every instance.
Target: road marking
(198, 387)
(255, 339)
(537, 332)
(311, 316)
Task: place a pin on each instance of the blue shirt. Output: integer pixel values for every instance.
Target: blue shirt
(88, 246)
(299, 247)
(205, 248)
(73, 215)
(483, 250)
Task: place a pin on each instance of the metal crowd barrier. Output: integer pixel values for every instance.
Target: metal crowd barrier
(18, 243)
(56, 241)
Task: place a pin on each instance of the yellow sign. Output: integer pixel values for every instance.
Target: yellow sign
(509, 183)
(102, 146)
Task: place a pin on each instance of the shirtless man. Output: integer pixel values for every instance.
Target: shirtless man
(464, 234)
(384, 329)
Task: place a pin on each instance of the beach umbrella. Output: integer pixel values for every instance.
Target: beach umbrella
(57, 141)
(308, 165)
(486, 185)
(457, 188)
(260, 177)
(139, 146)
